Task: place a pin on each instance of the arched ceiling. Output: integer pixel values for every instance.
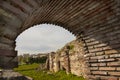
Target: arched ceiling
(74, 15)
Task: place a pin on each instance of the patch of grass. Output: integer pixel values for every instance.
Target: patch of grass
(29, 70)
(27, 67)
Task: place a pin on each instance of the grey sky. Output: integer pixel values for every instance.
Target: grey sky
(43, 38)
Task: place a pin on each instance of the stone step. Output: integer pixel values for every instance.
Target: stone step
(12, 75)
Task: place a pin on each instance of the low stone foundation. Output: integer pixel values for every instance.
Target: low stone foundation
(12, 75)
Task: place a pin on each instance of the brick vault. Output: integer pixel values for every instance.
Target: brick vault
(96, 22)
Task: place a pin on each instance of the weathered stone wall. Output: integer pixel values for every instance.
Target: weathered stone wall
(8, 32)
(70, 58)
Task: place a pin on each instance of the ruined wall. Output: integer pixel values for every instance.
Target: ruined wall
(70, 58)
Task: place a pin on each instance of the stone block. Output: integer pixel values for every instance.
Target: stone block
(11, 75)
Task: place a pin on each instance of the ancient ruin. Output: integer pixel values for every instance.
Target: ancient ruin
(70, 58)
(95, 22)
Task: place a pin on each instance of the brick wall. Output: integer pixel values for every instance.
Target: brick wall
(102, 51)
(102, 46)
(99, 57)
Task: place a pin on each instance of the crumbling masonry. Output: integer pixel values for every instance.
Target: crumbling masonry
(70, 58)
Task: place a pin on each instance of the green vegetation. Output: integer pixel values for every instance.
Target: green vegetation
(70, 47)
(29, 70)
(30, 60)
(37, 60)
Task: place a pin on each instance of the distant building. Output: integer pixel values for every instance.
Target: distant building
(34, 55)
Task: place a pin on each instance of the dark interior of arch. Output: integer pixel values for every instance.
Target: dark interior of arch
(96, 22)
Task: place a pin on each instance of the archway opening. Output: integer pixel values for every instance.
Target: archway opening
(42, 38)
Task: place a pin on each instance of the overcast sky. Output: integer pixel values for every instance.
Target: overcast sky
(42, 38)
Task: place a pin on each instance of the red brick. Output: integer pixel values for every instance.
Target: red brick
(113, 64)
(106, 60)
(106, 48)
(97, 57)
(98, 64)
(111, 51)
(94, 68)
(114, 73)
(99, 53)
(92, 60)
(118, 68)
(107, 68)
(95, 50)
(99, 72)
(115, 55)
(108, 78)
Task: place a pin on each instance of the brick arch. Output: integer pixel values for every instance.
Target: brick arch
(96, 22)
(57, 24)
